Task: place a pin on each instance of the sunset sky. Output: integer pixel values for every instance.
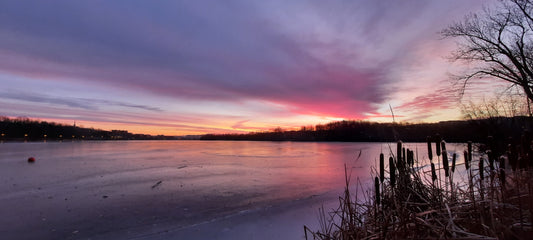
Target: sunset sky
(194, 67)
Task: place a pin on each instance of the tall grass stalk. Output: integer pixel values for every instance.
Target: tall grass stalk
(392, 172)
(382, 167)
(418, 208)
(438, 139)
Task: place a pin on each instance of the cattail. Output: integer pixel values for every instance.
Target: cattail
(491, 159)
(430, 153)
(481, 174)
(433, 173)
(392, 172)
(381, 167)
(437, 144)
(376, 184)
(410, 158)
(469, 151)
(399, 152)
(453, 162)
(445, 159)
(404, 156)
(400, 162)
(467, 164)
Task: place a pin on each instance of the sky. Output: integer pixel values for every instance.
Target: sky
(196, 67)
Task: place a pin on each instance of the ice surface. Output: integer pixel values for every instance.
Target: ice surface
(173, 189)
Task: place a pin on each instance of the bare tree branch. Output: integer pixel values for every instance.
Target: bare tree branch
(499, 43)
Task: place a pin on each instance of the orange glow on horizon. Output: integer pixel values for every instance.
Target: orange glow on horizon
(223, 126)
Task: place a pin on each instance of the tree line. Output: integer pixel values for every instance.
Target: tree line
(364, 131)
(25, 129)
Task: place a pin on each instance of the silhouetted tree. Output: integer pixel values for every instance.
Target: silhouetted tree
(506, 104)
(498, 42)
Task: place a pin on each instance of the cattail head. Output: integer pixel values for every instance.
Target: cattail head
(481, 169)
(400, 162)
(453, 162)
(410, 158)
(430, 153)
(399, 152)
(437, 144)
(381, 167)
(404, 156)
(491, 159)
(492, 148)
(467, 163)
(469, 151)
(433, 173)
(445, 159)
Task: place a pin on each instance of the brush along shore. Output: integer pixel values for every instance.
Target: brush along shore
(492, 197)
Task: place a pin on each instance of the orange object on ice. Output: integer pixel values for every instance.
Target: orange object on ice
(31, 159)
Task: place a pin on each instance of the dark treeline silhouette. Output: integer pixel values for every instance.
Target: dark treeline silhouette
(19, 129)
(363, 131)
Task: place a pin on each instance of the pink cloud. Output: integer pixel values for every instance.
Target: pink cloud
(332, 59)
(422, 106)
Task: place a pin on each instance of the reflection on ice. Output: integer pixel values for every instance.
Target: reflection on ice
(145, 188)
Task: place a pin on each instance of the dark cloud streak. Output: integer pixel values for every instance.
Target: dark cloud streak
(208, 50)
(82, 103)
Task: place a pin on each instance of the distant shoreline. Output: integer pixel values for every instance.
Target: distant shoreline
(362, 131)
(26, 130)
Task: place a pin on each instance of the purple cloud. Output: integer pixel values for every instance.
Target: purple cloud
(83, 103)
(322, 58)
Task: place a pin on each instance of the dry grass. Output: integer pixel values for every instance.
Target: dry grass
(494, 201)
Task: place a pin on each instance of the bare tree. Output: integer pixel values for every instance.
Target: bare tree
(498, 43)
(510, 103)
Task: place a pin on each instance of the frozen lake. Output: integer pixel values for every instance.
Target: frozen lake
(173, 189)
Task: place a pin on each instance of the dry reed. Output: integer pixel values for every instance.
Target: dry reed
(410, 204)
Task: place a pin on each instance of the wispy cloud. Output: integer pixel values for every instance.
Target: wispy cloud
(425, 106)
(83, 103)
(324, 58)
